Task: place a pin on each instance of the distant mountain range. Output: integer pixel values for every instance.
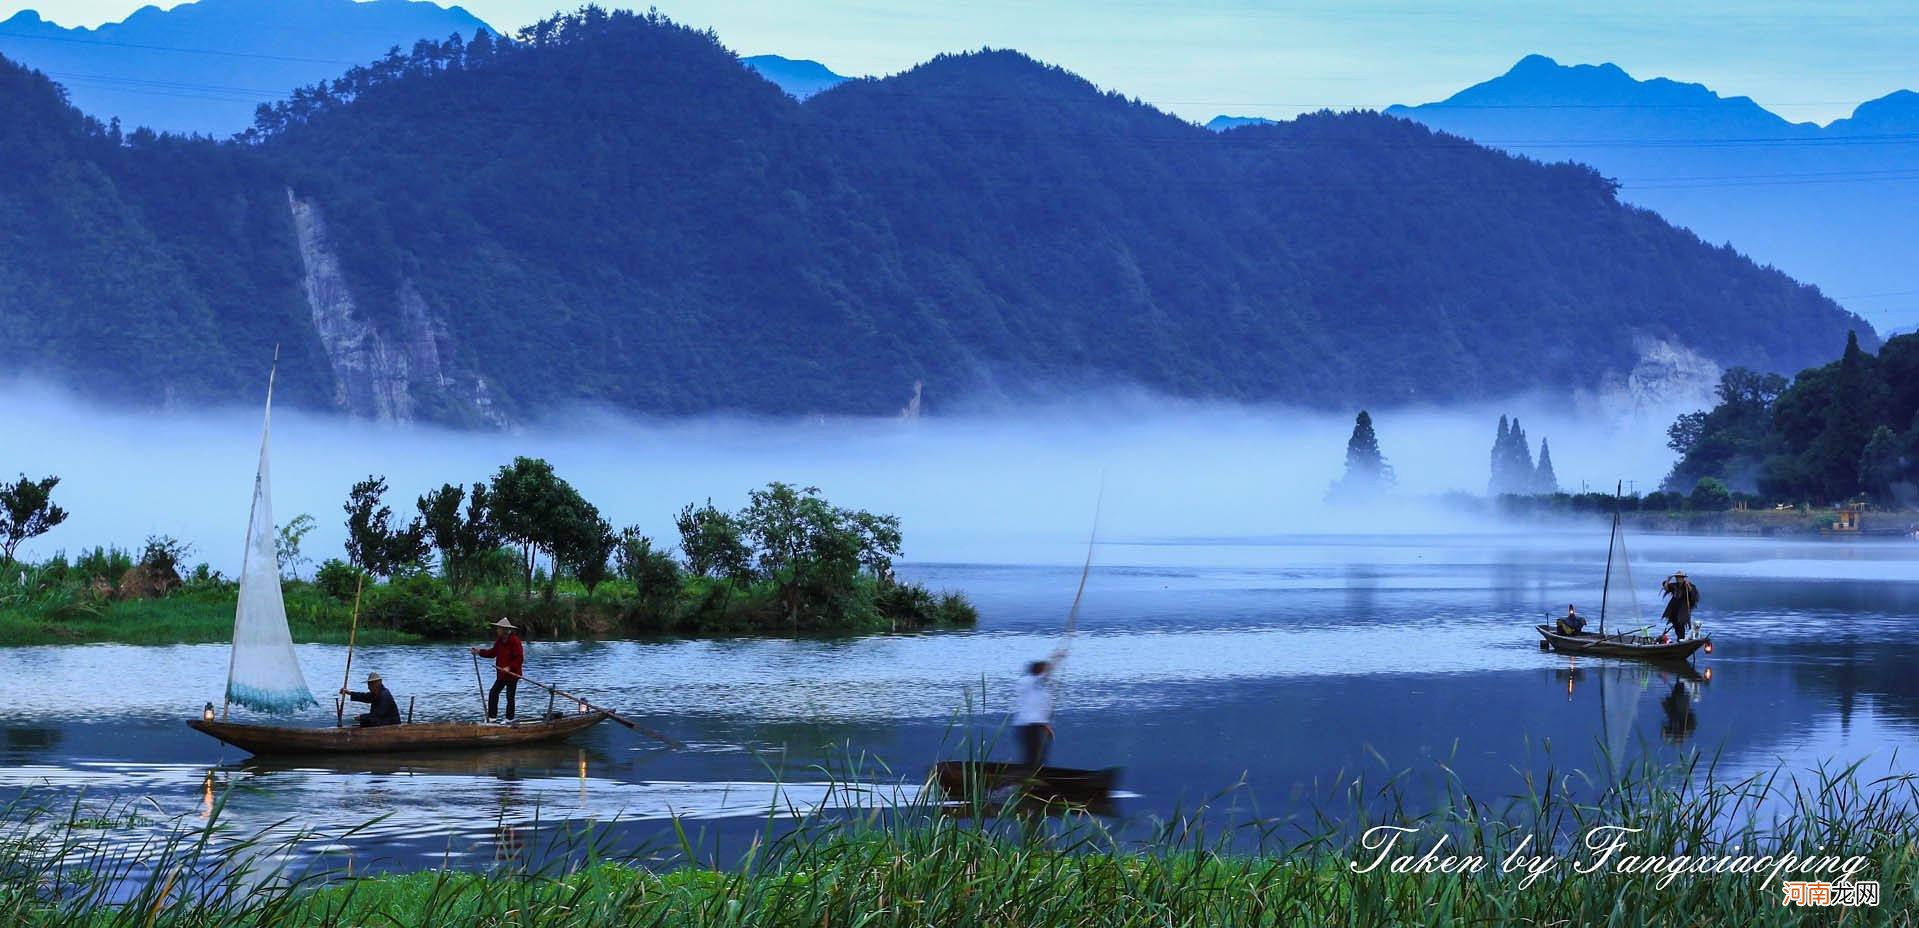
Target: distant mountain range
(1833, 205)
(800, 78)
(613, 210)
(204, 66)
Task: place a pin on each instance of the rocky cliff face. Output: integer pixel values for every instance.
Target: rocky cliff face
(377, 374)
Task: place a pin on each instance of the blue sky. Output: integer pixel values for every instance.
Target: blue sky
(1197, 58)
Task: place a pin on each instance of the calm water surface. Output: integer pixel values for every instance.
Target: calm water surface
(1254, 675)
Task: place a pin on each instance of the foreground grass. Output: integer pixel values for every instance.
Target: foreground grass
(925, 868)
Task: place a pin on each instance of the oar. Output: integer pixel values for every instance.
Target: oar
(346, 676)
(615, 716)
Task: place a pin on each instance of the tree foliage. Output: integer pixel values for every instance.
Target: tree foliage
(27, 511)
(374, 543)
(1834, 432)
(1367, 474)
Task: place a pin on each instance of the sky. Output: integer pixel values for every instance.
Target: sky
(1199, 58)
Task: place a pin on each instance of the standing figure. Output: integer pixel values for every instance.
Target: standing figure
(1681, 598)
(1033, 712)
(509, 658)
(385, 710)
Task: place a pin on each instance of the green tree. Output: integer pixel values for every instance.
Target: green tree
(1367, 473)
(463, 536)
(712, 542)
(1885, 467)
(538, 512)
(1710, 495)
(811, 551)
(27, 511)
(584, 549)
(654, 573)
(1545, 480)
(286, 544)
(373, 542)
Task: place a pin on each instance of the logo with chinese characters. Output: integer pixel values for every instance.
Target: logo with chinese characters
(1864, 892)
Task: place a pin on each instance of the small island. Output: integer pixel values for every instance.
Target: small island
(524, 545)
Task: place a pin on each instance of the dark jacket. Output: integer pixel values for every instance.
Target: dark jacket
(1681, 598)
(385, 710)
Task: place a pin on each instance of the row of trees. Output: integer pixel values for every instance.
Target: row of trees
(1513, 470)
(1836, 432)
(811, 554)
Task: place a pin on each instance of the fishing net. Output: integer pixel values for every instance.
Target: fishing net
(265, 675)
(1624, 589)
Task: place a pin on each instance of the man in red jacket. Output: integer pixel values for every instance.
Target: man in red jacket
(509, 656)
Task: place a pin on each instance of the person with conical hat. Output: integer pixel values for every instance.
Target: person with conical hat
(509, 658)
(385, 710)
(1681, 598)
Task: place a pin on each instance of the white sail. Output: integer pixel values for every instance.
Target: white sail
(264, 674)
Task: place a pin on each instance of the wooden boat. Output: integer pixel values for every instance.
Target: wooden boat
(1620, 645)
(963, 781)
(1627, 644)
(280, 740)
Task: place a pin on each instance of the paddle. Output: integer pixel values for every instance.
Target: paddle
(642, 729)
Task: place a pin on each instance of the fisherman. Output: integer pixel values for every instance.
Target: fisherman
(1681, 598)
(385, 710)
(509, 657)
(1033, 712)
(1572, 623)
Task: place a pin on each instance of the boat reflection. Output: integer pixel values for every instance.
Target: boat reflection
(504, 763)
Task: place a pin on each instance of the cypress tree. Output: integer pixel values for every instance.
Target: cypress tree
(1544, 480)
(1500, 460)
(1367, 473)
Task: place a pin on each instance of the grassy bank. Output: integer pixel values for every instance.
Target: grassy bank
(189, 616)
(921, 868)
(71, 610)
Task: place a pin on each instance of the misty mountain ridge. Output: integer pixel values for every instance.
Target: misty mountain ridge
(1828, 204)
(203, 66)
(614, 211)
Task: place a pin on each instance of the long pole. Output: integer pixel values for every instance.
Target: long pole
(479, 684)
(346, 676)
(1611, 540)
(615, 716)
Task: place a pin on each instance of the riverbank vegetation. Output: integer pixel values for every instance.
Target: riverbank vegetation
(913, 866)
(1842, 431)
(524, 545)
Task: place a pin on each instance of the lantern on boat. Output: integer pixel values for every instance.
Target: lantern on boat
(1709, 646)
(206, 715)
(583, 708)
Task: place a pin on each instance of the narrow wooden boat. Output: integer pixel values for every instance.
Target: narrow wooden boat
(960, 781)
(278, 740)
(1623, 645)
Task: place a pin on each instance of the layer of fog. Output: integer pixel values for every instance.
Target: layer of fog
(995, 488)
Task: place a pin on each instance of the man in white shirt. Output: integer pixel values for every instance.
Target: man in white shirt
(1033, 712)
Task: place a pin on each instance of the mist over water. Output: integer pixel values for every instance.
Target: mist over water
(1011, 486)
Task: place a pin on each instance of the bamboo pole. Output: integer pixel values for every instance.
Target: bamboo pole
(346, 676)
(479, 685)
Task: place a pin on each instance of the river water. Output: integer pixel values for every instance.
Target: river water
(1249, 677)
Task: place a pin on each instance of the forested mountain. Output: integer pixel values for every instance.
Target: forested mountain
(1831, 205)
(611, 209)
(203, 66)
